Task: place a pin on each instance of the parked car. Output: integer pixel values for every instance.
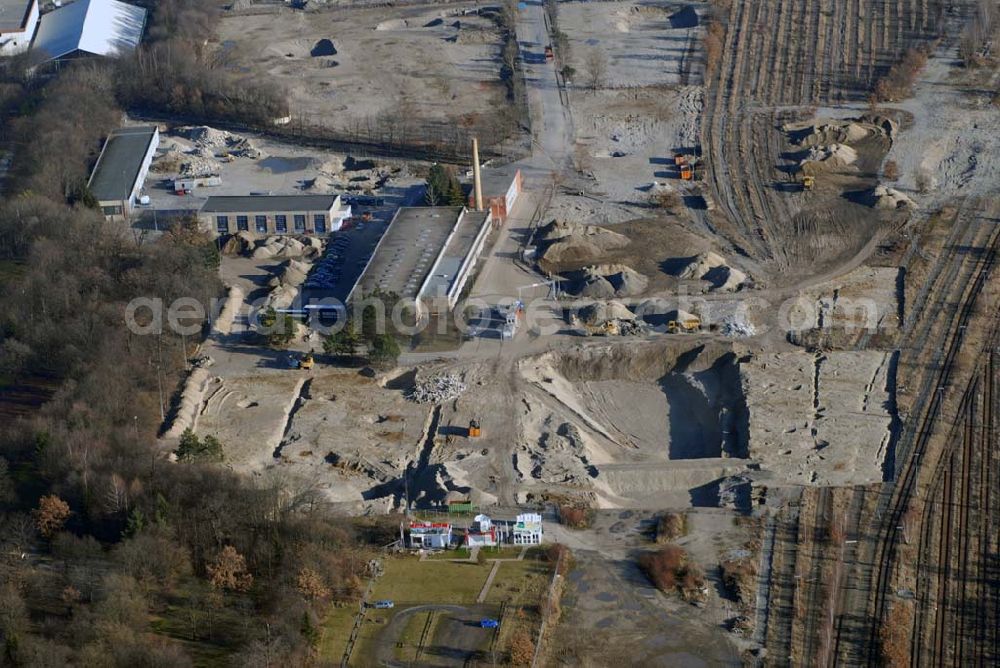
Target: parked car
(384, 604)
(488, 623)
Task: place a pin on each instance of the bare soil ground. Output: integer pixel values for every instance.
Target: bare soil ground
(780, 60)
(426, 64)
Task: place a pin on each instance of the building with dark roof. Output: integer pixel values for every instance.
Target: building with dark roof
(121, 169)
(426, 256)
(18, 20)
(274, 214)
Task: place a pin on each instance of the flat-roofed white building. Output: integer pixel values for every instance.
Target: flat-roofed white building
(274, 214)
(88, 28)
(18, 21)
(430, 535)
(527, 529)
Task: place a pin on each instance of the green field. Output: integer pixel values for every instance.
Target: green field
(408, 581)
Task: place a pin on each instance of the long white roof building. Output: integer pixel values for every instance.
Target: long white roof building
(90, 27)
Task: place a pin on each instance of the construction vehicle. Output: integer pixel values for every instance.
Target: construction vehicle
(549, 55)
(475, 431)
(686, 165)
(687, 325)
(808, 182)
(307, 362)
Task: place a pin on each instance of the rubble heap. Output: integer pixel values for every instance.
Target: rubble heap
(435, 389)
(737, 327)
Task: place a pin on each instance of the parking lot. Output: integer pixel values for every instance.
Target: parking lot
(344, 259)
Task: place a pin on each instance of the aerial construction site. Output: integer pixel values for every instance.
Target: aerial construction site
(751, 268)
(705, 289)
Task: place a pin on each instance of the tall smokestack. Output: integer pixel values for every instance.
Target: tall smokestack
(476, 175)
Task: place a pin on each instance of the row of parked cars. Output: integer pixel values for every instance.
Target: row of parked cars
(327, 271)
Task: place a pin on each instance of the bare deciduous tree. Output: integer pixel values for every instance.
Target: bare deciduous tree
(595, 64)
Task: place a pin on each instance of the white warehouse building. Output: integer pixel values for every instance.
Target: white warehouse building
(18, 21)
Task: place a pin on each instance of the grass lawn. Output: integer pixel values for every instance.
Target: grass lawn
(335, 631)
(521, 583)
(460, 553)
(407, 581)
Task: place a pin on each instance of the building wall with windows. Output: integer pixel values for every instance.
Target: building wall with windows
(270, 215)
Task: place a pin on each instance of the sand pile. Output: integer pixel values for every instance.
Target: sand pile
(393, 24)
(292, 273)
(288, 247)
(223, 324)
(599, 313)
(831, 132)
(884, 197)
(822, 157)
(241, 243)
(609, 318)
(571, 243)
(712, 267)
(190, 403)
(610, 280)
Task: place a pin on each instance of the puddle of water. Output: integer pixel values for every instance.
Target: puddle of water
(277, 165)
(606, 596)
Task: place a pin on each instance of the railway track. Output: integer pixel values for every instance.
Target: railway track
(937, 307)
(900, 494)
(957, 551)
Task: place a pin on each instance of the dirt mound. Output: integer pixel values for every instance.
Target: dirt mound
(293, 273)
(819, 158)
(832, 132)
(323, 47)
(283, 247)
(611, 280)
(713, 268)
(241, 243)
(570, 243)
(884, 197)
(598, 313)
(393, 24)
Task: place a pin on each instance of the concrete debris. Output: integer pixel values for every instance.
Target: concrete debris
(435, 389)
(738, 327)
(210, 139)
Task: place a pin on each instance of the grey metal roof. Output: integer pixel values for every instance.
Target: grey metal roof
(118, 167)
(268, 203)
(99, 27)
(13, 14)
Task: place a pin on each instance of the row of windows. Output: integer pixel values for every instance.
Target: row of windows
(280, 223)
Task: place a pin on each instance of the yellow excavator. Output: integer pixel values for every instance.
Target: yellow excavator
(688, 325)
(808, 182)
